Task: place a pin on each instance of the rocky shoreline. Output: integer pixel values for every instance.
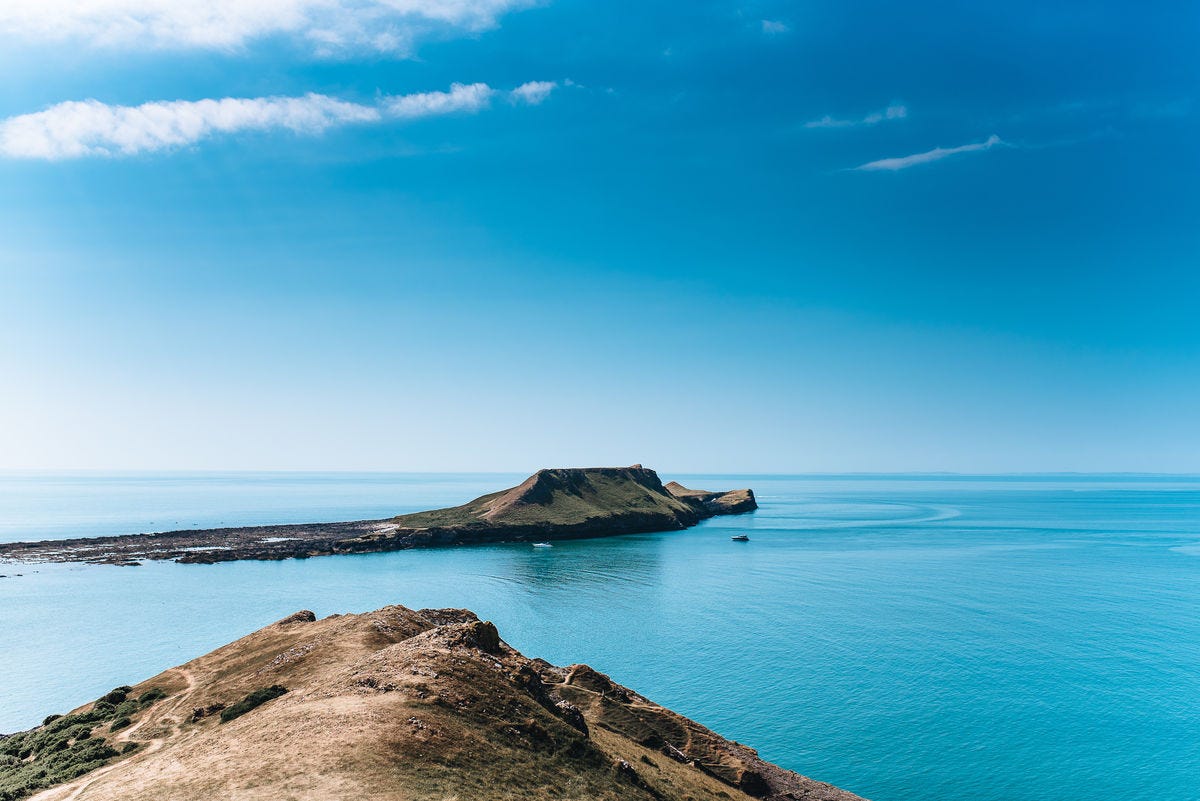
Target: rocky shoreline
(561, 504)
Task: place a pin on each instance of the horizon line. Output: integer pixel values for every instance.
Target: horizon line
(796, 474)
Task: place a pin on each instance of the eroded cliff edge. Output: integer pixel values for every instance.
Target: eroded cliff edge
(556, 504)
(389, 705)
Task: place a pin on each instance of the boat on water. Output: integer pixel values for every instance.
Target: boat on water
(542, 545)
(740, 538)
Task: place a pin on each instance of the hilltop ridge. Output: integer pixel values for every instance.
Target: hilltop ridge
(566, 503)
(391, 705)
(552, 504)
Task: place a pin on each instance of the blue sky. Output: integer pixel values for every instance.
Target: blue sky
(498, 235)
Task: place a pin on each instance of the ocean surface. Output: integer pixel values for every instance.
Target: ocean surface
(910, 638)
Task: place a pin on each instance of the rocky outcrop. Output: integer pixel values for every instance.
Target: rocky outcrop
(553, 504)
(716, 503)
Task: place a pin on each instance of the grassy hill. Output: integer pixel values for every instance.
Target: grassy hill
(564, 503)
(566, 497)
(394, 705)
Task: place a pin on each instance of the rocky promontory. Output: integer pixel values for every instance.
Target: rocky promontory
(557, 504)
(392, 705)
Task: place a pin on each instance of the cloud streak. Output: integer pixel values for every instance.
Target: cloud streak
(461, 97)
(937, 154)
(328, 27)
(534, 92)
(76, 129)
(892, 112)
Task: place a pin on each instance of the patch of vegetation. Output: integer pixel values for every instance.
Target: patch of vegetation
(118, 695)
(127, 708)
(120, 723)
(251, 701)
(151, 696)
(61, 749)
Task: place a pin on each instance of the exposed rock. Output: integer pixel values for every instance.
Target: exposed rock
(718, 503)
(630, 774)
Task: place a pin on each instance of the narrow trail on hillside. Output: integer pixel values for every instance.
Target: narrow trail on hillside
(71, 791)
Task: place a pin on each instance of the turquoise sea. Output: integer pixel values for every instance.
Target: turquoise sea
(910, 638)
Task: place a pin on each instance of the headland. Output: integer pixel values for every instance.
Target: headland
(391, 705)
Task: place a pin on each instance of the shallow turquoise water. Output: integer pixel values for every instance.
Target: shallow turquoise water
(904, 637)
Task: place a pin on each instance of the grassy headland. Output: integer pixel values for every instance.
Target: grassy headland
(392, 705)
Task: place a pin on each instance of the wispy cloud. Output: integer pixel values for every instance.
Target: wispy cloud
(326, 26)
(533, 93)
(892, 112)
(461, 97)
(937, 154)
(774, 27)
(90, 128)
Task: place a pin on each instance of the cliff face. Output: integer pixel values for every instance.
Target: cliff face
(550, 505)
(407, 705)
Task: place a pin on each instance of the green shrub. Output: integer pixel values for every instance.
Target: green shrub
(81, 732)
(254, 699)
(128, 707)
(151, 696)
(101, 710)
(117, 696)
(120, 723)
(50, 719)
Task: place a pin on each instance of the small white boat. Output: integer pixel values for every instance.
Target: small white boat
(542, 545)
(740, 538)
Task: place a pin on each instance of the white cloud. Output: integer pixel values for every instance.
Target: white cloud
(327, 26)
(532, 93)
(461, 97)
(90, 128)
(774, 27)
(892, 112)
(937, 154)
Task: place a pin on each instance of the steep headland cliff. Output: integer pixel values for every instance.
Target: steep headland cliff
(393, 705)
(550, 505)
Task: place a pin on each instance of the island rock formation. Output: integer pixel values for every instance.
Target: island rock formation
(557, 504)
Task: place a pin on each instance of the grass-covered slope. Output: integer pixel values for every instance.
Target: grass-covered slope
(566, 497)
(564, 503)
(403, 705)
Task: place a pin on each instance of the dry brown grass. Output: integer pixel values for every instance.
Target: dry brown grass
(397, 705)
